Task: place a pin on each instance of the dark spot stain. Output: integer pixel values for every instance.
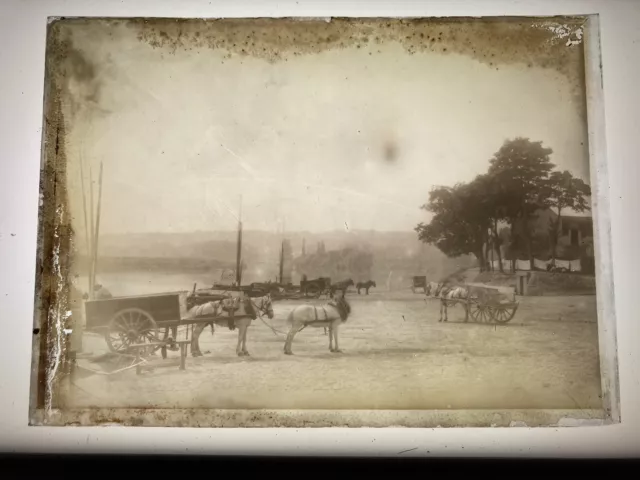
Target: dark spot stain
(36, 331)
(390, 152)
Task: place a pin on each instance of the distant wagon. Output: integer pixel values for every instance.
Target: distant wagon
(419, 282)
(315, 288)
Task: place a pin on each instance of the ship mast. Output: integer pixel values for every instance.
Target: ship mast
(281, 262)
(239, 246)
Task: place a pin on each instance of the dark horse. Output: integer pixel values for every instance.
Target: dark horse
(366, 285)
(341, 286)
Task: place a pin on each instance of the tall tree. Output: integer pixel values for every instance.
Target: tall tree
(458, 226)
(520, 169)
(564, 191)
(488, 207)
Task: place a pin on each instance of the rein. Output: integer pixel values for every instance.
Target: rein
(260, 311)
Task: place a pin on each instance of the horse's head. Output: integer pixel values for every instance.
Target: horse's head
(265, 305)
(349, 283)
(373, 284)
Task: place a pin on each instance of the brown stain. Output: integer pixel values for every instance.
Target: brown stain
(211, 418)
(54, 242)
(390, 152)
(494, 42)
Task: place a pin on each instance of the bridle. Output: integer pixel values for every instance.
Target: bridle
(264, 308)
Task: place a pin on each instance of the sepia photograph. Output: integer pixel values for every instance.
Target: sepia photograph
(320, 222)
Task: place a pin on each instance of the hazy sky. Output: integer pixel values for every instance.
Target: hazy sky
(304, 141)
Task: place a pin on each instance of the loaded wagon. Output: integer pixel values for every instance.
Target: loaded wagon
(491, 305)
(483, 304)
(316, 287)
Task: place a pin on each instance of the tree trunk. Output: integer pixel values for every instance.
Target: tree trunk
(497, 244)
(512, 241)
(480, 256)
(554, 237)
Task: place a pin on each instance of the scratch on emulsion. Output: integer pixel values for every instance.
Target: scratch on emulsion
(56, 320)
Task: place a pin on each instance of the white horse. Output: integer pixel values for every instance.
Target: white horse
(448, 295)
(330, 315)
(230, 313)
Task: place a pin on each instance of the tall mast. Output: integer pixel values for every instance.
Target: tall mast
(239, 246)
(96, 234)
(282, 262)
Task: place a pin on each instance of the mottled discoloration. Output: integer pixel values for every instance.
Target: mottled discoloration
(73, 86)
(553, 43)
(210, 418)
(54, 237)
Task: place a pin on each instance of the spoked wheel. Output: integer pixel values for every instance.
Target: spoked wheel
(131, 326)
(503, 313)
(484, 314)
(474, 311)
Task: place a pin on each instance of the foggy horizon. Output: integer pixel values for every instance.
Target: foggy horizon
(348, 138)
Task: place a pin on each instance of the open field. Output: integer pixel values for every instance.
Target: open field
(396, 356)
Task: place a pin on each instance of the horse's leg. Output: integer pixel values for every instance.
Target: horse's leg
(195, 340)
(289, 341)
(368, 290)
(335, 333)
(244, 340)
(441, 307)
(330, 338)
(239, 345)
(446, 311)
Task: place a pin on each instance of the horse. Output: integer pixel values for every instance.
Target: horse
(252, 308)
(331, 315)
(366, 285)
(448, 295)
(340, 286)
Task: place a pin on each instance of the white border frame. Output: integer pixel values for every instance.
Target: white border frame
(614, 15)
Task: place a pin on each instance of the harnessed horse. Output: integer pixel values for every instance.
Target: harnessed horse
(252, 308)
(331, 315)
(448, 295)
(341, 286)
(366, 285)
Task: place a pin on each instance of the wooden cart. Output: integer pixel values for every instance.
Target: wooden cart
(484, 304)
(139, 325)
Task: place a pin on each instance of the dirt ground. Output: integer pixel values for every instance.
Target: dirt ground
(396, 355)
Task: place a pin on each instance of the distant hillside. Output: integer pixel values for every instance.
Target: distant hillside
(397, 256)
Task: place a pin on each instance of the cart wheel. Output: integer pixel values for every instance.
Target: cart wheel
(130, 326)
(484, 314)
(503, 313)
(474, 311)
